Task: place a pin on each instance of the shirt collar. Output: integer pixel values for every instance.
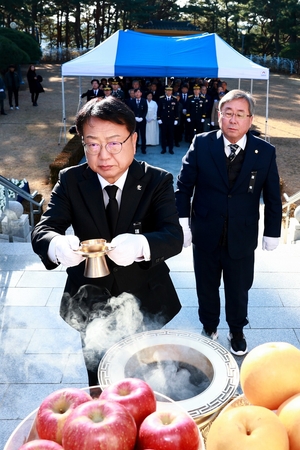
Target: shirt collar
(241, 143)
(120, 182)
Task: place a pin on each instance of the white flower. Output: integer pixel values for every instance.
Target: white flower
(11, 194)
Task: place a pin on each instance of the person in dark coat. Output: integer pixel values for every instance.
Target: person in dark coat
(95, 92)
(140, 109)
(12, 83)
(34, 83)
(225, 172)
(2, 96)
(147, 231)
(167, 117)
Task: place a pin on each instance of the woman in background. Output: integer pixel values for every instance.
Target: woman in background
(34, 83)
(152, 128)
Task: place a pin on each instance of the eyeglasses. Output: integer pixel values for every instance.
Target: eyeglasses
(111, 147)
(238, 116)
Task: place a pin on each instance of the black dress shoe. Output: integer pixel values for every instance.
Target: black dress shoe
(163, 151)
(177, 145)
(144, 152)
(3, 113)
(171, 152)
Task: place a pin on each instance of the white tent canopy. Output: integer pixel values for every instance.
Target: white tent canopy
(130, 53)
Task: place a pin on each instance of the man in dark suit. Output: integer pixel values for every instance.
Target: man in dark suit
(224, 173)
(94, 92)
(147, 231)
(184, 125)
(140, 109)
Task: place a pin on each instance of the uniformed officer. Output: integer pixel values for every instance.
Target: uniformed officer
(167, 116)
(195, 114)
(207, 104)
(107, 90)
(116, 90)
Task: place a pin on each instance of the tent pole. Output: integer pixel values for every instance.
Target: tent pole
(63, 126)
(80, 92)
(267, 113)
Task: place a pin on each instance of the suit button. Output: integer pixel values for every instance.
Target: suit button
(115, 269)
(229, 196)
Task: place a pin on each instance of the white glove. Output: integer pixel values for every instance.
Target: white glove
(270, 243)
(61, 250)
(184, 111)
(159, 122)
(175, 122)
(138, 119)
(202, 120)
(187, 234)
(212, 123)
(129, 248)
(188, 119)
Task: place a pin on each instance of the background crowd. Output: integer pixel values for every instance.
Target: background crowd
(10, 82)
(167, 111)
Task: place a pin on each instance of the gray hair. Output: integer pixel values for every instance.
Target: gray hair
(235, 94)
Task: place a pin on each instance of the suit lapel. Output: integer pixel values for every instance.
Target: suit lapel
(133, 191)
(251, 155)
(92, 193)
(217, 153)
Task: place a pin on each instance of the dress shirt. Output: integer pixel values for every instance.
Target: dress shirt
(241, 143)
(119, 183)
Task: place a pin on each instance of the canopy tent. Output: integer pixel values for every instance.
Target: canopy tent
(130, 53)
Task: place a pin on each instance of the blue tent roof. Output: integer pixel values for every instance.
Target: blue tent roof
(130, 53)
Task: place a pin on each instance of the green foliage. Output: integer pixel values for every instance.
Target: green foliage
(24, 41)
(11, 54)
(291, 51)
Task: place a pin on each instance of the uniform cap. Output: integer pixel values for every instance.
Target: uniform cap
(168, 88)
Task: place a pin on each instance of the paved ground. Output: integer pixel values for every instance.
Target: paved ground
(39, 353)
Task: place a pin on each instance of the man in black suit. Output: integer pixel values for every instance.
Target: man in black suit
(184, 125)
(94, 92)
(224, 173)
(147, 231)
(140, 109)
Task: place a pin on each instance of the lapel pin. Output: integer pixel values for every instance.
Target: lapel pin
(255, 151)
(139, 187)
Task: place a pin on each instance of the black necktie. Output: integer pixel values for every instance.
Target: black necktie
(112, 209)
(233, 150)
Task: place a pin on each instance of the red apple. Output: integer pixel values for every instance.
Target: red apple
(41, 444)
(169, 430)
(135, 394)
(54, 411)
(99, 425)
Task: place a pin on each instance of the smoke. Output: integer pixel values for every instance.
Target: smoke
(104, 320)
(176, 379)
(124, 319)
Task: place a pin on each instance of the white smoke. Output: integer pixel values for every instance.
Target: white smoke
(124, 319)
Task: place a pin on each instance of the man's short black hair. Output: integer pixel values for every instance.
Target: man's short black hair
(110, 109)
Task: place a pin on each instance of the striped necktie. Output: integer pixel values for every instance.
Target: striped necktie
(233, 150)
